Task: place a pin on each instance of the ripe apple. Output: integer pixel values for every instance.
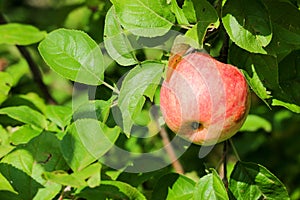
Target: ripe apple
(202, 99)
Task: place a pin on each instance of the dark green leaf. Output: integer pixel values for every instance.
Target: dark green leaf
(174, 186)
(145, 18)
(86, 141)
(73, 55)
(20, 34)
(24, 166)
(116, 40)
(248, 24)
(210, 186)
(139, 82)
(206, 17)
(26, 115)
(253, 181)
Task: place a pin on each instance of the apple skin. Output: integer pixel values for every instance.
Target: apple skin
(204, 100)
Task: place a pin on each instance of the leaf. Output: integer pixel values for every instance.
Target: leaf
(141, 80)
(26, 115)
(6, 82)
(291, 106)
(288, 27)
(289, 73)
(112, 190)
(210, 186)
(116, 40)
(73, 55)
(189, 11)
(24, 166)
(262, 70)
(76, 179)
(17, 71)
(206, 16)
(24, 134)
(20, 34)
(248, 24)
(97, 109)
(60, 115)
(173, 186)
(86, 141)
(181, 19)
(254, 123)
(145, 18)
(253, 181)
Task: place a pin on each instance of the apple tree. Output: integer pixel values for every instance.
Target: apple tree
(80, 85)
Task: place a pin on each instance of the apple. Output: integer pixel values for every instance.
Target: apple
(202, 99)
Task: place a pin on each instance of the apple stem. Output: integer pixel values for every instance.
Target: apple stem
(225, 179)
(234, 150)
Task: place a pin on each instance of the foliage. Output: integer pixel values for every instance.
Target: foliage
(65, 133)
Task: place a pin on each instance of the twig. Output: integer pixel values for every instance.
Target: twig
(170, 151)
(167, 145)
(234, 150)
(225, 179)
(36, 73)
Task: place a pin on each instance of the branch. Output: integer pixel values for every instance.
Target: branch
(35, 71)
(167, 145)
(225, 179)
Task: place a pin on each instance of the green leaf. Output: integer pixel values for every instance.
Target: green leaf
(287, 27)
(291, 106)
(254, 123)
(6, 82)
(181, 19)
(26, 115)
(76, 179)
(63, 178)
(189, 11)
(289, 73)
(173, 186)
(97, 109)
(262, 70)
(24, 166)
(24, 134)
(248, 24)
(206, 17)
(73, 55)
(86, 141)
(141, 80)
(20, 34)
(210, 186)
(145, 18)
(60, 115)
(112, 190)
(116, 40)
(253, 181)
(17, 71)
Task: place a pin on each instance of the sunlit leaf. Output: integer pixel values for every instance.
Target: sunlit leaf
(145, 18)
(139, 82)
(73, 55)
(20, 34)
(248, 24)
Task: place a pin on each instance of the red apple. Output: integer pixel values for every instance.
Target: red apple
(202, 99)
